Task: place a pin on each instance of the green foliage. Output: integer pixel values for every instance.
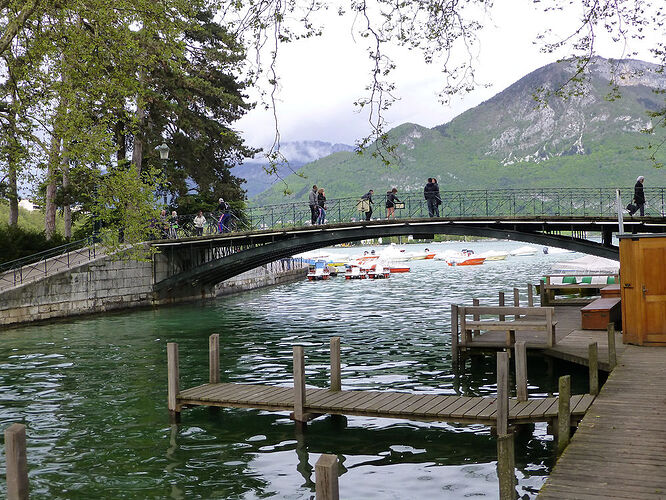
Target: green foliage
(18, 242)
(128, 211)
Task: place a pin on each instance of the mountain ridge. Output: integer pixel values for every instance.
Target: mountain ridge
(511, 141)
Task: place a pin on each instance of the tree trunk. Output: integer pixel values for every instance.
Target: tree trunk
(137, 149)
(50, 209)
(12, 159)
(13, 195)
(121, 152)
(67, 208)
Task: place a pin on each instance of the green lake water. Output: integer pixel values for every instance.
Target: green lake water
(92, 392)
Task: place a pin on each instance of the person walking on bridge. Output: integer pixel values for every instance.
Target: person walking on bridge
(431, 195)
(639, 196)
(368, 197)
(391, 200)
(314, 207)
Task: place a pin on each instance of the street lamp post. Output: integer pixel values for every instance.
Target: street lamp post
(164, 156)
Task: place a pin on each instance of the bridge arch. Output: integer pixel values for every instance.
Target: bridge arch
(262, 247)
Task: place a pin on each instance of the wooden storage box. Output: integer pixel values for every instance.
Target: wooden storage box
(610, 291)
(597, 314)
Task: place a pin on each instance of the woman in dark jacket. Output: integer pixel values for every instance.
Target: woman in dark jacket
(391, 199)
(321, 203)
(639, 196)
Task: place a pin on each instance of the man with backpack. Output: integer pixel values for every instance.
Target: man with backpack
(368, 198)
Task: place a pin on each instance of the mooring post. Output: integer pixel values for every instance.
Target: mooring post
(336, 378)
(530, 295)
(593, 356)
(476, 317)
(16, 463)
(214, 358)
(516, 301)
(564, 413)
(173, 381)
(454, 337)
(326, 477)
(542, 292)
(521, 371)
(502, 393)
(501, 304)
(299, 384)
(612, 356)
(506, 467)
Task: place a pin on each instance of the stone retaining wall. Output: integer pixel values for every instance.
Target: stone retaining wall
(106, 285)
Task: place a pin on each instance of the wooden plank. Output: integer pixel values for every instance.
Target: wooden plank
(457, 403)
(461, 411)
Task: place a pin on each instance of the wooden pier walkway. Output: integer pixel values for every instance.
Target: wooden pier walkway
(619, 449)
(428, 407)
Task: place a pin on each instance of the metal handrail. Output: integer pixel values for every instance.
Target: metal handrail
(18, 271)
(479, 203)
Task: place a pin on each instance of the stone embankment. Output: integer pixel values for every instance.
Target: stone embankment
(105, 284)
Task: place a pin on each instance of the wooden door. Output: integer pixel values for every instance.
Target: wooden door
(632, 310)
(652, 286)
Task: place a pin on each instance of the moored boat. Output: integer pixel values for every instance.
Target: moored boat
(318, 271)
(470, 261)
(378, 271)
(354, 272)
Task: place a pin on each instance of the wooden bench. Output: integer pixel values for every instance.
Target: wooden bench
(525, 319)
(555, 284)
(596, 315)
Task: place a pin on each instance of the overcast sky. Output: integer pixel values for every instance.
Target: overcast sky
(321, 78)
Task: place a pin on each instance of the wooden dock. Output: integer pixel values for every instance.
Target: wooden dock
(619, 448)
(571, 342)
(428, 407)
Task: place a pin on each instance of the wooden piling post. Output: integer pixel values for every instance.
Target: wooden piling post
(476, 317)
(16, 463)
(299, 384)
(501, 304)
(521, 371)
(502, 393)
(542, 293)
(564, 413)
(173, 375)
(612, 355)
(516, 301)
(454, 337)
(530, 295)
(336, 378)
(326, 477)
(506, 467)
(593, 356)
(214, 358)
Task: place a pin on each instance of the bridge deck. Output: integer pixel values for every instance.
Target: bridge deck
(619, 448)
(429, 407)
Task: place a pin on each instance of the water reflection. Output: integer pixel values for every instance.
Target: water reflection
(92, 393)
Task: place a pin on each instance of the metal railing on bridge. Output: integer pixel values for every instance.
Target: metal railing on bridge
(570, 202)
(45, 263)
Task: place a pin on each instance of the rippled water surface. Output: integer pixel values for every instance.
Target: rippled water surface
(92, 392)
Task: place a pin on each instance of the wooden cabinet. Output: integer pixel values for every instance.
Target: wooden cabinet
(643, 283)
